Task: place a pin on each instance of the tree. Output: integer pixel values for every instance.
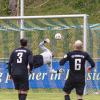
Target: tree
(13, 7)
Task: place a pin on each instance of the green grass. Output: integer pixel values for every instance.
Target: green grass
(43, 94)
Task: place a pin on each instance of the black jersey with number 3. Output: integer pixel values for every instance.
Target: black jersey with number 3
(77, 61)
(19, 60)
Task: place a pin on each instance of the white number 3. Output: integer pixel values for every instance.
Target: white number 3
(77, 64)
(19, 55)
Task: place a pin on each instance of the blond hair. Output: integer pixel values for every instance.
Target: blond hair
(78, 45)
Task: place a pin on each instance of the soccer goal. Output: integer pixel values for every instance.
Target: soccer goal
(36, 28)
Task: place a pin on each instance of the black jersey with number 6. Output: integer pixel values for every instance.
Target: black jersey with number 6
(19, 60)
(77, 61)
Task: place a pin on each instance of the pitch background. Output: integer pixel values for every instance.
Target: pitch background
(42, 94)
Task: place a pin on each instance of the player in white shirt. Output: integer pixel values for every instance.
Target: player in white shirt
(45, 57)
(47, 54)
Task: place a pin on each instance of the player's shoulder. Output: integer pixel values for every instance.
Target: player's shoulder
(15, 50)
(70, 52)
(22, 49)
(28, 50)
(85, 53)
(67, 54)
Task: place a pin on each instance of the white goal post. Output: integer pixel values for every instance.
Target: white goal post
(84, 16)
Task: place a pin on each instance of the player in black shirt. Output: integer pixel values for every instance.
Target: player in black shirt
(76, 79)
(18, 71)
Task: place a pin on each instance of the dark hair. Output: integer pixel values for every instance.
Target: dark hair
(23, 42)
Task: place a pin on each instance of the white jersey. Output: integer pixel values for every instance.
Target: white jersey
(47, 54)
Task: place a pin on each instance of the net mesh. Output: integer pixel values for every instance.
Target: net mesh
(93, 82)
(38, 29)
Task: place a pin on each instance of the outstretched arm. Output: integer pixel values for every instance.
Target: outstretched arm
(61, 63)
(10, 64)
(63, 60)
(30, 61)
(41, 45)
(92, 63)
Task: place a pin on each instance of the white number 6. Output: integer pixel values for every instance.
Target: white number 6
(77, 64)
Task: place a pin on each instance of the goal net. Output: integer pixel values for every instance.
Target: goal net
(36, 29)
(93, 78)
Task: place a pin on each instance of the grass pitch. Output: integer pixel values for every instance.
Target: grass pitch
(43, 94)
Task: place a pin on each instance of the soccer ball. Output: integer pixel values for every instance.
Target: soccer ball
(58, 36)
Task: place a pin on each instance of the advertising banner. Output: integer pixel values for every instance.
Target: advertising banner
(42, 78)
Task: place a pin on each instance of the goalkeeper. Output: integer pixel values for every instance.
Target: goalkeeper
(45, 57)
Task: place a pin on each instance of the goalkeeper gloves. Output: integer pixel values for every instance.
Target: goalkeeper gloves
(46, 40)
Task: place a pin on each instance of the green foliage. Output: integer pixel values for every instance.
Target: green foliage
(4, 10)
(52, 7)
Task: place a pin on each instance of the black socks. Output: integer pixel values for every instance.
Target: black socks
(80, 99)
(67, 97)
(22, 96)
(19, 96)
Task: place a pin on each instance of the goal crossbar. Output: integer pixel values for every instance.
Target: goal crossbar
(45, 16)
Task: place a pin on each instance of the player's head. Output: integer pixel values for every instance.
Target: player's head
(78, 45)
(23, 42)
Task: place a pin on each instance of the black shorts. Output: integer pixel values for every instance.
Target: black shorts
(73, 84)
(21, 82)
(37, 61)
